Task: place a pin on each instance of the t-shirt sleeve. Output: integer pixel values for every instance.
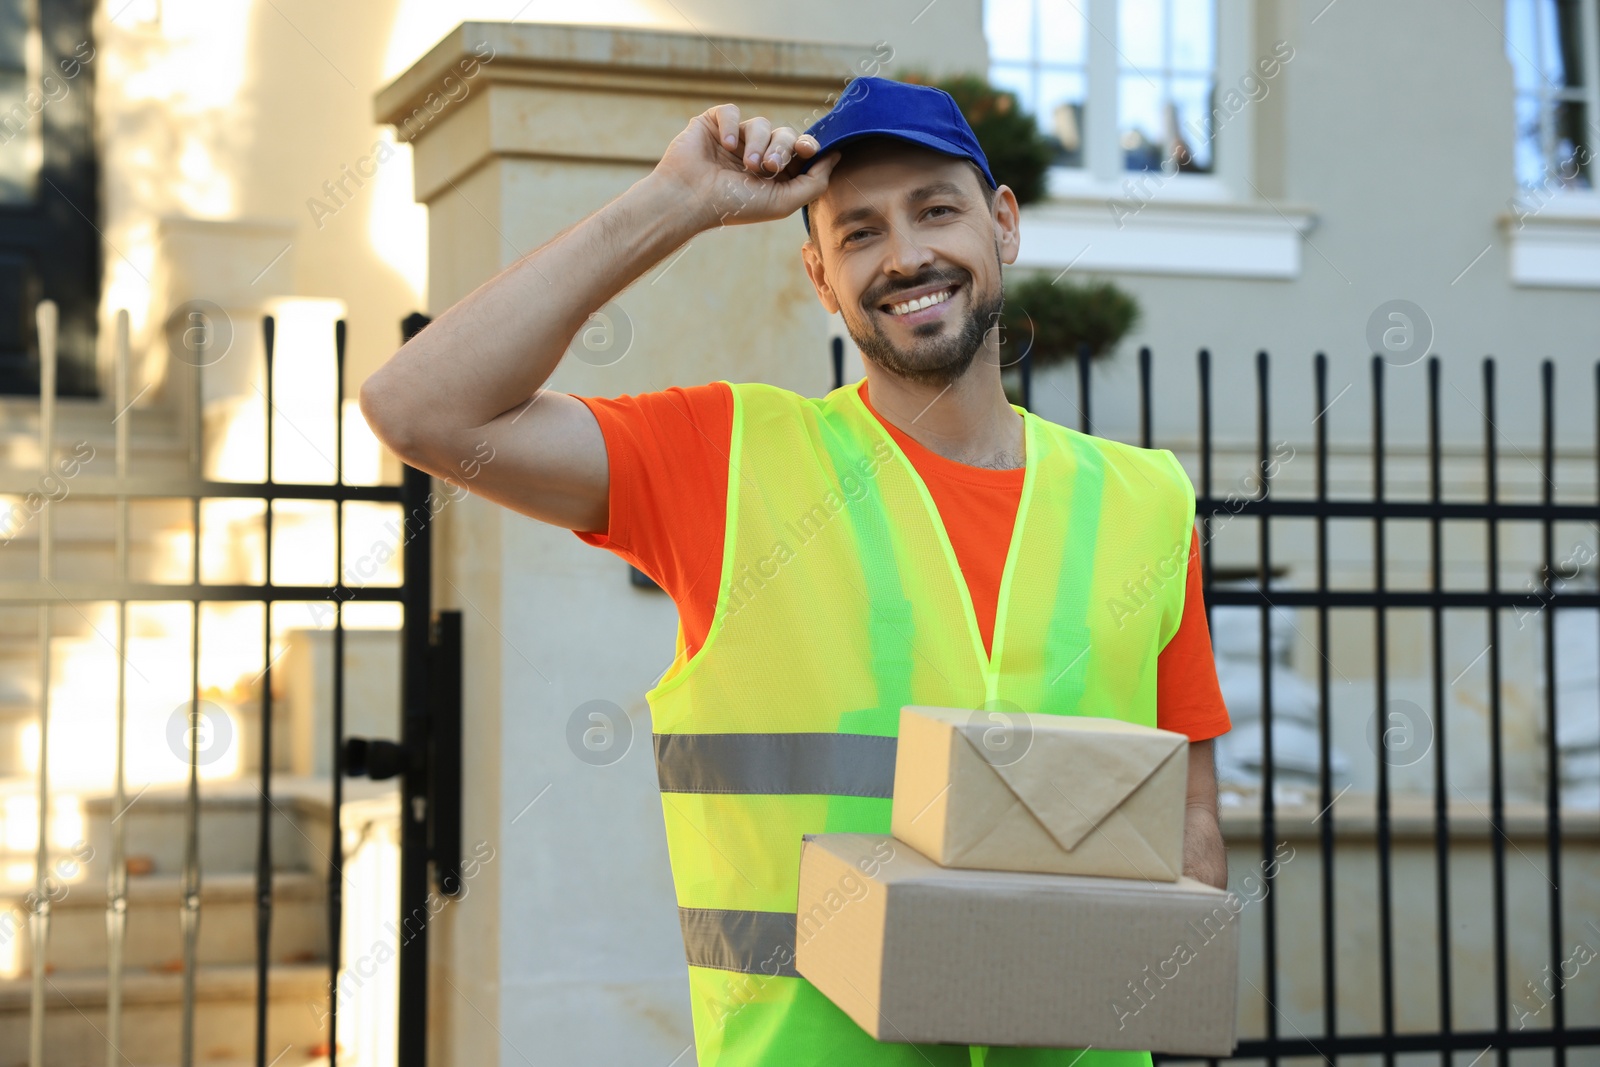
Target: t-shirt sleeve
(1188, 696)
(667, 456)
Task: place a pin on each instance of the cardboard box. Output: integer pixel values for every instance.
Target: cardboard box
(915, 952)
(1064, 794)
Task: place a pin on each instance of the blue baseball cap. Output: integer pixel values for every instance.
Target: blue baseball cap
(920, 114)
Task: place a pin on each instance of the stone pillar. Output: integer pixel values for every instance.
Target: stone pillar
(568, 942)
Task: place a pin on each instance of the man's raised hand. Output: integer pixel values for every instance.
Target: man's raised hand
(734, 172)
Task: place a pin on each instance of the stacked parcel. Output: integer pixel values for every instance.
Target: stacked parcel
(1031, 894)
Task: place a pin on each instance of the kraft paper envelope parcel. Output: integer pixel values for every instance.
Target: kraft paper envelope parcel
(1061, 794)
(913, 951)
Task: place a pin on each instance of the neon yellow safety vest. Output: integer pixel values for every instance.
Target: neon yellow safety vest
(841, 601)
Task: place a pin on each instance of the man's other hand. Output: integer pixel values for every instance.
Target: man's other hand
(732, 172)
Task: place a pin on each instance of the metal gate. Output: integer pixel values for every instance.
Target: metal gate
(426, 757)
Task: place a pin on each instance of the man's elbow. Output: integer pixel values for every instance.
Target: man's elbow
(386, 414)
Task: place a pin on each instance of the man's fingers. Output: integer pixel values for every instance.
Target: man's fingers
(728, 125)
(805, 148)
(757, 132)
(780, 150)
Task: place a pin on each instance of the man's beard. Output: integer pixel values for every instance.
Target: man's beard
(945, 355)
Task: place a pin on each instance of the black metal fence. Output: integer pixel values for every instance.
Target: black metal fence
(1453, 1032)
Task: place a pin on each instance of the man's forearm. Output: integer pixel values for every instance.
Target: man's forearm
(1205, 858)
(500, 344)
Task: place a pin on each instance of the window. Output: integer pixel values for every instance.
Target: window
(49, 203)
(1551, 45)
(1155, 78)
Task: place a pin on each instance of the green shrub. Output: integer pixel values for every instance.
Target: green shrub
(1057, 316)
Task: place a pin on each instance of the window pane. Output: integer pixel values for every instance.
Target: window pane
(1039, 51)
(1008, 26)
(1566, 167)
(1141, 28)
(1139, 120)
(18, 115)
(16, 139)
(1572, 130)
(1529, 147)
(1165, 93)
(1061, 32)
(1522, 42)
(1194, 35)
(13, 35)
(1061, 115)
(1559, 164)
(1561, 30)
(1546, 48)
(1191, 104)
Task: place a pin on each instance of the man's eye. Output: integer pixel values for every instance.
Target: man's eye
(940, 207)
(853, 236)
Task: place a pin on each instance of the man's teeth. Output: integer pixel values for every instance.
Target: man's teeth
(921, 302)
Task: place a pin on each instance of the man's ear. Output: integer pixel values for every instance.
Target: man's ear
(812, 257)
(1007, 224)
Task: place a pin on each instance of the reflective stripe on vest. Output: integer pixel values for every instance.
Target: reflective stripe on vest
(852, 765)
(750, 942)
(840, 602)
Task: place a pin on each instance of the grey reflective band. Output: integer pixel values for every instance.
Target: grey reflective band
(751, 942)
(850, 765)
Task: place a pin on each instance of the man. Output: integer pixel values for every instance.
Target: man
(908, 539)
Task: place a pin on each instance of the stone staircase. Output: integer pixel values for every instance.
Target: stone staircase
(152, 981)
(152, 1014)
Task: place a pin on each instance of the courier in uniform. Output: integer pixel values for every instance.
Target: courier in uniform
(910, 538)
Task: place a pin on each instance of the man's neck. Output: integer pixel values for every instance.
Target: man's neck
(969, 421)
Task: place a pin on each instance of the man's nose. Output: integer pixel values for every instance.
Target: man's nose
(906, 254)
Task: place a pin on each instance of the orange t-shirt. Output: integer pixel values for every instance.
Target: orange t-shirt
(668, 456)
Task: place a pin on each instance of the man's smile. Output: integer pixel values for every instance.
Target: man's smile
(920, 305)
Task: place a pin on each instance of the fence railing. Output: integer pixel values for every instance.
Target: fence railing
(1377, 602)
